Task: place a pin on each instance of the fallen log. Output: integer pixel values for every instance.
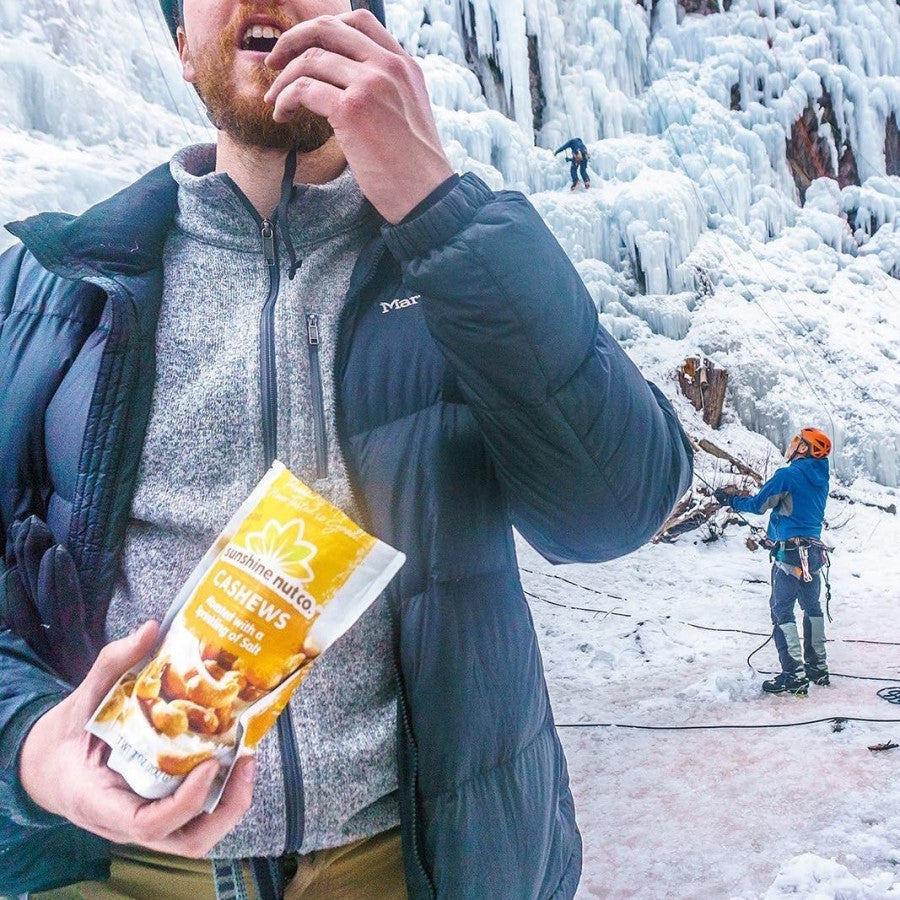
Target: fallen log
(887, 745)
(718, 452)
(690, 513)
(890, 508)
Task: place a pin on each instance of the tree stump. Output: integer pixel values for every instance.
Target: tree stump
(704, 385)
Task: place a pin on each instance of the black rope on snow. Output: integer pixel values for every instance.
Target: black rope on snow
(834, 674)
(763, 644)
(769, 637)
(583, 587)
(605, 612)
(609, 612)
(835, 719)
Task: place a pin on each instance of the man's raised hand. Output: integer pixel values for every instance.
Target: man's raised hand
(63, 769)
(350, 70)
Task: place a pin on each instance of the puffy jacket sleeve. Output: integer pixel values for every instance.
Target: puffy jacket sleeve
(771, 495)
(27, 691)
(27, 349)
(591, 457)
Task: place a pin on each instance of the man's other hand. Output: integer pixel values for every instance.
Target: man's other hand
(350, 70)
(63, 769)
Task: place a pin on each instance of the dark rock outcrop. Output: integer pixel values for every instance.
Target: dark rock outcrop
(705, 7)
(809, 152)
(892, 146)
(535, 84)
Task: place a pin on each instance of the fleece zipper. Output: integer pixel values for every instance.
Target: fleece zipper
(268, 383)
(318, 402)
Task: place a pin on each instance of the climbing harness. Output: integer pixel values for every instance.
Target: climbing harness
(802, 546)
(803, 553)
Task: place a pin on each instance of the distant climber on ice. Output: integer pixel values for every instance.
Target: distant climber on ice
(578, 159)
(796, 494)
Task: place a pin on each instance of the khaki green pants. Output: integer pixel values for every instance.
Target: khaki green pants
(368, 869)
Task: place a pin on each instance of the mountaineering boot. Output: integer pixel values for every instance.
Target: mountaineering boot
(788, 683)
(574, 185)
(818, 675)
(587, 184)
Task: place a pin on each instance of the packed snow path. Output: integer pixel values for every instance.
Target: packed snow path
(720, 813)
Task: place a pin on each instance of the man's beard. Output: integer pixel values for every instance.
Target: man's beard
(249, 119)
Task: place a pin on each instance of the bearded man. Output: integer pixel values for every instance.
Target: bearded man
(319, 285)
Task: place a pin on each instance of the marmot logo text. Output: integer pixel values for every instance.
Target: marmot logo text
(400, 303)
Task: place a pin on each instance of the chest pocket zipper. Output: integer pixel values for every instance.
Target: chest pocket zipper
(318, 400)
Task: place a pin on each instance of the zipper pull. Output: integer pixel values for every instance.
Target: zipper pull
(312, 329)
(268, 241)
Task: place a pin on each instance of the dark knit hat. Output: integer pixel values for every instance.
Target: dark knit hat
(172, 13)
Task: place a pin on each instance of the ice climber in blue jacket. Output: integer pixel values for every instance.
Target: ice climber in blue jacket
(321, 286)
(578, 159)
(796, 495)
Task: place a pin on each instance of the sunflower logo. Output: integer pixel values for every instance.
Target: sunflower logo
(282, 547)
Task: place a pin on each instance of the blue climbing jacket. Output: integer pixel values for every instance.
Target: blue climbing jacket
(796, 494)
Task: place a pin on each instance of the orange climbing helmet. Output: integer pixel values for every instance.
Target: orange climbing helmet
(817, 441)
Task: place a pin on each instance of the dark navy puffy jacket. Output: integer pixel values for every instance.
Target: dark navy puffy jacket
(573, 145)
(496, 400)
(796, 494)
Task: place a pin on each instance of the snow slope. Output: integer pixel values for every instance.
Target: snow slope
(687, 118)
(720, 813)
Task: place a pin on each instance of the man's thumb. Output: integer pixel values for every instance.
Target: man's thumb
(114, 660)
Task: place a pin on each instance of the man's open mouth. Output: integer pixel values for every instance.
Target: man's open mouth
(260, 38)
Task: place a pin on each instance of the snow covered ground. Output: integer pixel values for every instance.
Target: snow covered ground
(749, 812)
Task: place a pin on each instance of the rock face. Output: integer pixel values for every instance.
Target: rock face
(486, 68)
(892, 146)
(700, 7)
(705, 7)
(814, 151)
(538, 100)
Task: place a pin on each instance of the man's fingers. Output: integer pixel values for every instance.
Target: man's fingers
(316, 96)
(205, 830)
(329, 33)
(160, 819)
(323, 65)
(364, 21)
(238, 793)
(114, 659)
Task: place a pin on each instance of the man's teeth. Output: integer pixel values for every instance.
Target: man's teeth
(257, 32)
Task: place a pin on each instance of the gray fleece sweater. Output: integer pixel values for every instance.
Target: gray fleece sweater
(204, 453)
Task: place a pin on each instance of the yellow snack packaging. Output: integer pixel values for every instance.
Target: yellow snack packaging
(288, 575)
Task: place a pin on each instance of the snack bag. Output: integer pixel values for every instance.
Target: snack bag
(288, 575)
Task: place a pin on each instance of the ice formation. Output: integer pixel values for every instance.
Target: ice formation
(754, 149)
